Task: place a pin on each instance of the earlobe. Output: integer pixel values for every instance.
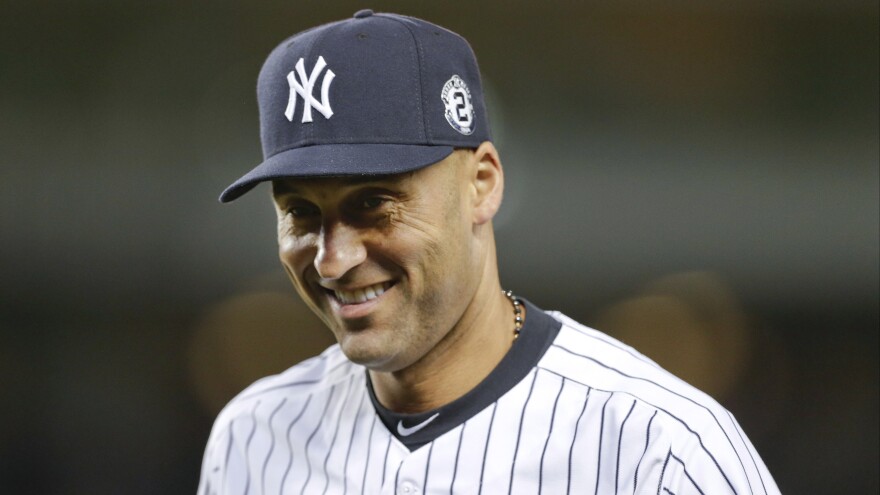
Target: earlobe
(488, 183)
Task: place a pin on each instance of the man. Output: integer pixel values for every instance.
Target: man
(385, 183)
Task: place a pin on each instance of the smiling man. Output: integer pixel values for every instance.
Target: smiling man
(385, 183)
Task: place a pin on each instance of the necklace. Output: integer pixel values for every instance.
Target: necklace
(517, 312)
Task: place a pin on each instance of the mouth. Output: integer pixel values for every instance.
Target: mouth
(361, 295)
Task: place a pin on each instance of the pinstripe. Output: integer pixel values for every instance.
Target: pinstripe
(522, 417)
(547, 438)
(397, 475)
(620, 444)
(647, 441)
(333, 440)
(271, 446)
(457, 452)
(350, 442)
(247, 446)
(427, 467)
(385, 463)
(663, 472)
(686, 473)
(755, 464)
(678, 395)
(273, 388)
(683, 423)
(289, 446)
(486, 448)
(574, 437)
(601, 434)
(621, 348)
(369, 451)
(294, 384)
(228, 452)
(586, 357)
(312, 436)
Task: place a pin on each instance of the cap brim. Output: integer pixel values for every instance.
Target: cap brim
(338, 160)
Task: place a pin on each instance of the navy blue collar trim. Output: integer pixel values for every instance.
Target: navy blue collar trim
(538, 332)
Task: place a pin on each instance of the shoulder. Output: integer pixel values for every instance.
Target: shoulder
(682, 423)
(605, 364)
(294, 385)
(253, 423)
(597, 360)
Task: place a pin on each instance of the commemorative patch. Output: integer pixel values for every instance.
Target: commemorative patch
(459, 110)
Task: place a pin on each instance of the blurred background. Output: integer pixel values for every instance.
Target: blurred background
(697, 178)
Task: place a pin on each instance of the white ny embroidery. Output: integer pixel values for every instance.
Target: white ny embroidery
(304, 86)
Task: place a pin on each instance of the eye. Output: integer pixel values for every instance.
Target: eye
(372, 202)
(302, 210)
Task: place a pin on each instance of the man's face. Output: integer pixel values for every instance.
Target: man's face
(388, 263)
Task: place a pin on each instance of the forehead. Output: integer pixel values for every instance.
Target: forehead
(437, 176)
(338, 186)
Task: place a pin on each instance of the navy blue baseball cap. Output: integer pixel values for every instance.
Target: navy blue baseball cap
(376, 94)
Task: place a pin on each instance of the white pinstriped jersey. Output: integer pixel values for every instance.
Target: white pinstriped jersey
(568, 410)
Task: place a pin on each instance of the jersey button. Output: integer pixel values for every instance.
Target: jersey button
(407, 488)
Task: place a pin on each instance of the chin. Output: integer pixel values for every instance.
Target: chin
(361, 349)
(373, 355)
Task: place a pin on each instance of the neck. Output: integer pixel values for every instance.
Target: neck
(460, 361)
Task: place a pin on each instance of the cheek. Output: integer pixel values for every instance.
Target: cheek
(416, 243)
(296, 258)
(282, 225)
(437, 245)
(296, 253)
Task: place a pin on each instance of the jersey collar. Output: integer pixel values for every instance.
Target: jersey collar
(416, 430)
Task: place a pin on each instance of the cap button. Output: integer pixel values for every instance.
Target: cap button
(360, 14)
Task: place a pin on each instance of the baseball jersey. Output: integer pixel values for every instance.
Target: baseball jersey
(567, 410)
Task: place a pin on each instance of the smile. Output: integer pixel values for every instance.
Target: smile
(362, 295)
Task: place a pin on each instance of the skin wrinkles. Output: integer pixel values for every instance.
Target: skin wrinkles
(429, 234)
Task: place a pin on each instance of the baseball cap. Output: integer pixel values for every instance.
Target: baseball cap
(375, 94)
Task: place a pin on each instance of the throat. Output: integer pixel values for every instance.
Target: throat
(455, 365)
(404, 393)
(415, 417)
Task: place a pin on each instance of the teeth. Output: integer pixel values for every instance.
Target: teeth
(362, 295)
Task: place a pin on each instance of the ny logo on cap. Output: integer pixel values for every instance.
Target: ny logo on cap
(304, 86)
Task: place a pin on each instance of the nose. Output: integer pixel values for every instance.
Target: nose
(340, 249)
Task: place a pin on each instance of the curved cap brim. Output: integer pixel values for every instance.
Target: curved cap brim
(338, 160)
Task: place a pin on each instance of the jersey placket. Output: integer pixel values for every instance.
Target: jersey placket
(408, 474)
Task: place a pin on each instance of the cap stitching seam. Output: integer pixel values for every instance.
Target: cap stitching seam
(427, 133)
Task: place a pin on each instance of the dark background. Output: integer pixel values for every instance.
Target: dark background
(699, 179)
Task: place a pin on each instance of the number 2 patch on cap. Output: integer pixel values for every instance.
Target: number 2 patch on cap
(459, 110)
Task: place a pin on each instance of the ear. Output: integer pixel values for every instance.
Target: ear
(487, 182)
